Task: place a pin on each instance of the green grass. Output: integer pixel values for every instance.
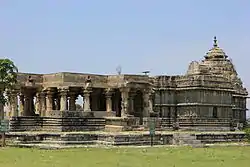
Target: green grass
(126, 157)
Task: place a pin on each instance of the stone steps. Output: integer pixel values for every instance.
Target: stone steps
(93, 142)
(55, 142)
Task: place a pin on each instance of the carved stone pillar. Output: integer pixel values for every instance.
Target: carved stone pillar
(86, 100)
(64, 99)
(12, 95)
(72, 101)
(146, 109)
(15, 104)
(9, 108)
(108, 93)
(151, 103)
(32, 106)
(43, 103)
(38, 104)
(124, 103)
(21, 104)
(49, 101)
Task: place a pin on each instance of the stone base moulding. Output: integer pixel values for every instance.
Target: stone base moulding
(115, 124)
(88, 114)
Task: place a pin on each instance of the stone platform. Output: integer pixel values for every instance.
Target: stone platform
(118, 124)
(71, 121)
(71, 139)
(56, 123)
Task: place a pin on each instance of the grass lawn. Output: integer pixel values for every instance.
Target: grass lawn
(126, 157)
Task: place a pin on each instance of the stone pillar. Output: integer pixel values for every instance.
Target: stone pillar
(64, 99)
(151, 103)
(32, 106)
(49, 101)
(72, 101)
(38, 104)
(124, 103)
(108, 93)
(86, 100)
(43, 103)
(14, 103)
(146, 109)
(8, 110)
(21, 104)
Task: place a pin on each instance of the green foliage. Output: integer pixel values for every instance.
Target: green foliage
(247, 131)
(8, 77)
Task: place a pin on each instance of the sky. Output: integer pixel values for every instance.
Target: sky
(97, 36)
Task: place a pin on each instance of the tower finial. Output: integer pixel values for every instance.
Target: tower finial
(215, 41)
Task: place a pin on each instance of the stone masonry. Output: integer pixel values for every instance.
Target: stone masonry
(210, 90)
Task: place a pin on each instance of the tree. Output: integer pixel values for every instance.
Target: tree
(8, 79)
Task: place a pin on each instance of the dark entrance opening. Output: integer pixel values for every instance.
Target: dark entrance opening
(116, 102)
(215, 114)
(138, 106)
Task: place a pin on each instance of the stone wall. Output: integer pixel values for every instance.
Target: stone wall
(220, 137)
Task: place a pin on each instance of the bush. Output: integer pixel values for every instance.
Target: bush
(247, 131)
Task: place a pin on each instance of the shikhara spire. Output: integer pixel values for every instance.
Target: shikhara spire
(215, 42)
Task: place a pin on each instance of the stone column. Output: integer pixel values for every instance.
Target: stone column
(38, 104)
(43, 103)
(146, 108)
(21, 104)
(63, 101)
(72, 101)
(49, 101)
(124, 103)
(86, 100)
(9, 102)
(108, 93)
(14, 103)
(32, 106)
(151, 103)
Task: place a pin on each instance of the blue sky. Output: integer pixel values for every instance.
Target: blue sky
(95, 36)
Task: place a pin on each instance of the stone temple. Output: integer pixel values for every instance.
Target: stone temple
(209, 96)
